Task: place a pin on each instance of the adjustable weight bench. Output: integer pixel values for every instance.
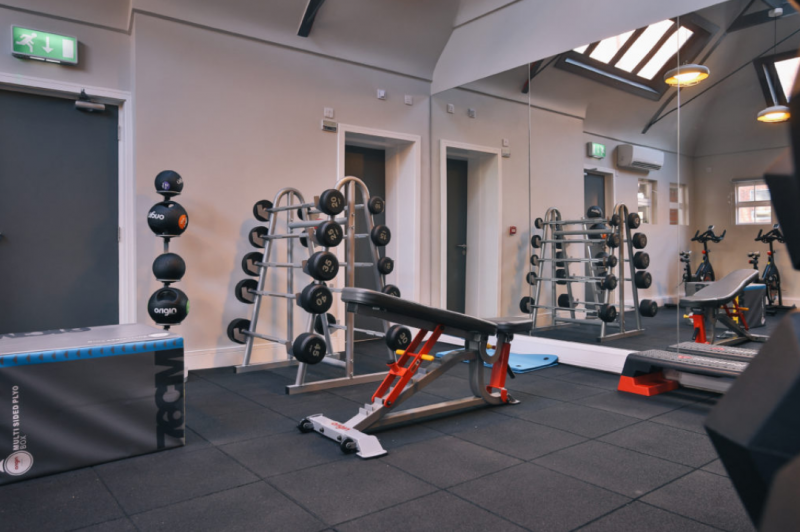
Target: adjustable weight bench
(718, 296)
(407, 376)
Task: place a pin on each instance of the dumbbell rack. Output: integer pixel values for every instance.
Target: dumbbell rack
(290, 208)
(553, 230)
(347, 186)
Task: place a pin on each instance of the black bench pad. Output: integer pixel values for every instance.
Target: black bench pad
(521, 324)
(415, 311)
(723, 291)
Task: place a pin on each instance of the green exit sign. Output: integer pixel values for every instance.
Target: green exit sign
(595, 150)
(43, 46)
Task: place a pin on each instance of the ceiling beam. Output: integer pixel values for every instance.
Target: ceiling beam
(312, 8)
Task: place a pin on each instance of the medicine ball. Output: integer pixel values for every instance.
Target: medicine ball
(168, 306)
(594, 212)
(169, 183)
(167, 219)
(169, 268)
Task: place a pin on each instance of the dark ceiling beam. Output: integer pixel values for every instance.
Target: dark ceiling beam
(759, 17)
(312, 8)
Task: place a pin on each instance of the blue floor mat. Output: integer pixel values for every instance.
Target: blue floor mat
(520, 363)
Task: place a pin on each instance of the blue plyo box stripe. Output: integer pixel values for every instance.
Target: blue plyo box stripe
(83, 353)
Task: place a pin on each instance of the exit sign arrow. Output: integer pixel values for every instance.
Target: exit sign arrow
(47, 45)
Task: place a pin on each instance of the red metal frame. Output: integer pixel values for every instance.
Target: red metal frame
(499, 373)
(399, 370)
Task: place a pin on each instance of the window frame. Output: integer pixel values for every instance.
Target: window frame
(768, 74)
(755, 203)
(682, 205)
(583, 65)
(649, 202)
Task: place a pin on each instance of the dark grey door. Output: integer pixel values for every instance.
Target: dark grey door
(369, 165)
(59, 262)
(594, 191)
(456, 234)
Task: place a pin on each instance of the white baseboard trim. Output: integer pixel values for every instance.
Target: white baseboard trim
(227, 356)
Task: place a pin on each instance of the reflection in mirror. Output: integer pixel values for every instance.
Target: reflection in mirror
(603, 175)
(480, 181)
(732, 128)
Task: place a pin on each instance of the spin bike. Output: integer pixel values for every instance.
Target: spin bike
(705, 272)
(771, 277)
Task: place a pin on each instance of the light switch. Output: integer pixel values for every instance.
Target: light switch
(451, 108)
(328, 112)
(505, 143)
(381, 94)
(409, 100)
(472, 113)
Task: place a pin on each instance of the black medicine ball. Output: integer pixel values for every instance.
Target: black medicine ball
(168, 306)
(169, 183)
(169, 268)
(168, 218)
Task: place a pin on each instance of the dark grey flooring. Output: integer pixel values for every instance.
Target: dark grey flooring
(661, 331)
(573, 455)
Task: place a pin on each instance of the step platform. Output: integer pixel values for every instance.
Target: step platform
(643, 373)
(740, 354)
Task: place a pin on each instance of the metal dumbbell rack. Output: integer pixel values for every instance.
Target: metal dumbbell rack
(556, 238)
(283, 203)
(348, 187)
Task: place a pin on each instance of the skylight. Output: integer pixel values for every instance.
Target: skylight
(635, 61)
(787, 72)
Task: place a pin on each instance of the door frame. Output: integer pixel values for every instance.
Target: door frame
(127, 190)
(404, 169)
(610, 176)
(498, 243)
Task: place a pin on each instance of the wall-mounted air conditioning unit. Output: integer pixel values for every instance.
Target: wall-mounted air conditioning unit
(639, 158)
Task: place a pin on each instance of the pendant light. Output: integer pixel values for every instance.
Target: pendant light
(775, 113)
(686, 75)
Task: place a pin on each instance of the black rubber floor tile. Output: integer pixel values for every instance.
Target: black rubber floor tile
(620, 470)
(117, 525)
(160, 479)
(206, 398)
(238, 426)
(404, 435)
(579, 419)
(352, 488)
(589, 377)
(716, 467)
(540, 499)
(447, 461)
(361, 393)
(554, 371)
(690, 417)
(332, 406)
(637, 406)
(472, 420)
(449, 387)
(554, 389)
(254, 381)
(677, 445)
(284, 453)
(704, 497)
(61, 502)
(253, 507)
(439, 512)
(521, 439)
(527, 403)
(637, 517)
(281, 401)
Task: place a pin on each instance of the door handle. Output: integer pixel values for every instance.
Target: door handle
(462, 246)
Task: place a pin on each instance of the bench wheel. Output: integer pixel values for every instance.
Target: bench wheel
(348, 446)
(305, 426)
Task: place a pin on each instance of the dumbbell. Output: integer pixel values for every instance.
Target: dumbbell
(604, 311)
(314, 298)
(385, 265)
(167, 219)
(391, 290)
(611, 241)
(330, 202)
(327, 234)
(648, 308)
(639, 240)
(168, 306)
(376, 205)
(641, 260)
(643, 279)
(308, 348)
(634, 221)
(398, 338)
(380, 235)
(169, 268)
(322, 265)
(607, 282)
(602, 258)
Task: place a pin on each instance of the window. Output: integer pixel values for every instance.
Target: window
(777, 74)
(752, 203)
(647, 201)
(678, 205)
(636, 61)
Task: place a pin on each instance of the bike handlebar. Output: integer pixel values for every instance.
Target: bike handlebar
(709, 236)
(772, 236)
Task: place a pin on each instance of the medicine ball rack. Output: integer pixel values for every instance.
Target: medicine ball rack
(596, 232)
(310, 348)
(168, 219)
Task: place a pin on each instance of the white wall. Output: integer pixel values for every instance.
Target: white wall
(240, 119)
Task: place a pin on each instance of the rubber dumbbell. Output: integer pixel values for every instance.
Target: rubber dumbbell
(641, 260)
(391, 290)
(322, 266)
(380, 235)
(398, 338)
(315, 299)
(331, 319)
(385, 265)
(376, 205)
(648, 308)
(643, 279)
(634, 221)
(309, 348)
(639, 240)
